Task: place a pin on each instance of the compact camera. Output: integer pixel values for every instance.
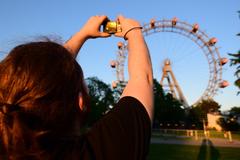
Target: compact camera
(111, 27)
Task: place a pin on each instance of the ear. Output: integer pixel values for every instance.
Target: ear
(80, 102)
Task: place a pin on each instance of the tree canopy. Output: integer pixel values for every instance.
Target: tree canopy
(101, 99)
(168, 110)
(235, 61)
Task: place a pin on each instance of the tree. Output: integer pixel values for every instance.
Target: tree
(230, 122)
(101, 99)
(195, 116)
(117, 92)
(208, 106)
(168, 110)
(198, 114)
(235, 111)
(235, 61)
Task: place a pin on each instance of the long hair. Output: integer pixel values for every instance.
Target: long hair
(40, 83)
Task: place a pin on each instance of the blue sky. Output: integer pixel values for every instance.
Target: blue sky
(22, 21)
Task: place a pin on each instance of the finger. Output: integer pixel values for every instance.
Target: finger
(104, 34)
(118, 34)
(103, 18)
(101, 21)
(120, 18)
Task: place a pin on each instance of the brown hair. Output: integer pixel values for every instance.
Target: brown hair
(39, 87)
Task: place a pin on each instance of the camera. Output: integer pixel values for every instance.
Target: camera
(111, 27)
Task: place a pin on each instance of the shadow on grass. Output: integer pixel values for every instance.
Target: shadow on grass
(205, 150)
(208, 151)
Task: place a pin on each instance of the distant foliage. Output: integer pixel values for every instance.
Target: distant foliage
(230, 122)
(235, 61)
(168, 110)
(235, 111)
(101, 99)
(197, 114)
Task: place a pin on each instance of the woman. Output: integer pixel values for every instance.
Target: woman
(43, 101)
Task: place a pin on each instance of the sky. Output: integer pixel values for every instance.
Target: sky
(26, 20)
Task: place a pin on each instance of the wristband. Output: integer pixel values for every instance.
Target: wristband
(130, 30)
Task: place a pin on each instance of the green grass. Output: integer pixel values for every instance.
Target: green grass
(187, 152)
(236, 135)
(171, 133)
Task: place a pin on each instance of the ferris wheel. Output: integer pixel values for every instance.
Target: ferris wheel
(205, 45)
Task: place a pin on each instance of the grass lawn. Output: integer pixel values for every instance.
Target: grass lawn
(186, 152)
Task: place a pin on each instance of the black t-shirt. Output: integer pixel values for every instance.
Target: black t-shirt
(123, 134)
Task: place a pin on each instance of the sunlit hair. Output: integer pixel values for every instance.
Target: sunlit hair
(40, 84)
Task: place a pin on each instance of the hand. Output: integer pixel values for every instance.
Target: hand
(127, 25)
(92, 28)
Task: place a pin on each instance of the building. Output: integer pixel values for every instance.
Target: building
(212, 121)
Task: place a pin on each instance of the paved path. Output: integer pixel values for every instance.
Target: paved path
(214, 141)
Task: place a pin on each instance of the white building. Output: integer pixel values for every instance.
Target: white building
(212, 121)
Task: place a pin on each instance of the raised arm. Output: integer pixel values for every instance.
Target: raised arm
(90, 30)
(140, 84)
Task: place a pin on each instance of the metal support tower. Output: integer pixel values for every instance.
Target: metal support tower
(173, 85)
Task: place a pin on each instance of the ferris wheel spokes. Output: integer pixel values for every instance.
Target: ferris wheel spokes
(192, 32)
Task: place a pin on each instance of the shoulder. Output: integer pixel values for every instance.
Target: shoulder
(125, 130)
(131, 104)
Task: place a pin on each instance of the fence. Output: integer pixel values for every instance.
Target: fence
(195, 134)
